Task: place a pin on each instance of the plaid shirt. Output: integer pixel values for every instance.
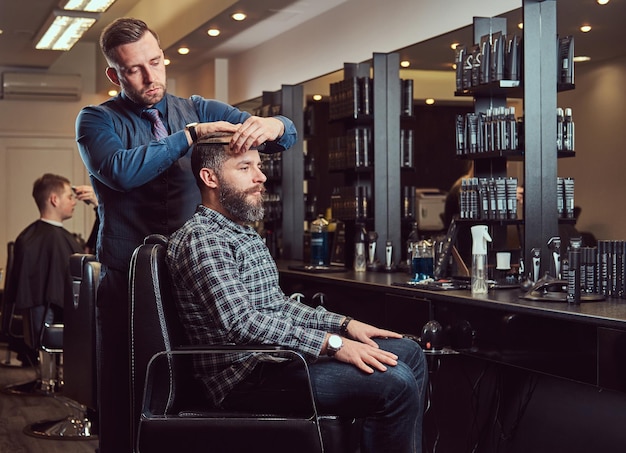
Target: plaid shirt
(227, 291)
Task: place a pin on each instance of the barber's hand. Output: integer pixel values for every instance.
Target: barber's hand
(364, 333)
(365, 357)
(255, 131)
(204, 129)
(86, 194)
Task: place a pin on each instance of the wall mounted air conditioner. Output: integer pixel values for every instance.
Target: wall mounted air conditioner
(41, 86)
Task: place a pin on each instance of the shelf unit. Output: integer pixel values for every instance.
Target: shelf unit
(539, 154)
(289, 228)
(382, 177)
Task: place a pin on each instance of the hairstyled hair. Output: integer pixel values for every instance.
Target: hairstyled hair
(46, 185)
(124, 30)
(208, 155)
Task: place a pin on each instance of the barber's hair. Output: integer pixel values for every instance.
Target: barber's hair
(47, 184)
(124, 30)
(208, 155)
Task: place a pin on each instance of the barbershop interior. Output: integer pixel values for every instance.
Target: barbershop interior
(452, 180)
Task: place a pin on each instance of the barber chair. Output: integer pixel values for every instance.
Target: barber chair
(75, 341)
(168, 413)
(18, 353)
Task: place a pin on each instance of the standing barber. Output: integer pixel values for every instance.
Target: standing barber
(140, 169)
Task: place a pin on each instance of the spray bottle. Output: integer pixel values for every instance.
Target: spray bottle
(480, 237)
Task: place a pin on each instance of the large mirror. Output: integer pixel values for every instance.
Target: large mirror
(596, 103)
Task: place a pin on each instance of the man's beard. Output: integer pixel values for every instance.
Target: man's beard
(139, 98)
(236, 203)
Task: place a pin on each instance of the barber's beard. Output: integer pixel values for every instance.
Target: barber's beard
(138, 96)
(235, 201)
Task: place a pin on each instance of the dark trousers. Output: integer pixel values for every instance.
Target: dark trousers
(114, 364)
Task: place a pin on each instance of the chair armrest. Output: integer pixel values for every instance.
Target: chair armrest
(171, 361)
(232, 347)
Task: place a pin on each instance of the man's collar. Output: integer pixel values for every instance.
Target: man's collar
(52, 222)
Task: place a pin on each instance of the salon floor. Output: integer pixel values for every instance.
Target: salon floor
(18, 412)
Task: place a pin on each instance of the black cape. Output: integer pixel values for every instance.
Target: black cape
(40, 273)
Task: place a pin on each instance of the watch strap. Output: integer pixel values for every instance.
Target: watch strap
(193, 133)
(343, 329)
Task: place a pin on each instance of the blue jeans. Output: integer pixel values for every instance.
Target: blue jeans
(391, 403)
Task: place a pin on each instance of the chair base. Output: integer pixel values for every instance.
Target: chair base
(30, 388)
(68, 428)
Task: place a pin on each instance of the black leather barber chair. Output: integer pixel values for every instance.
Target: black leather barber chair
(75, 342)
(17, 353)
(168, 409)
(13, 332)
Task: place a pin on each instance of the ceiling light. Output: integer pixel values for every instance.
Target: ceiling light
(520, 25)
(112, 93)
(581, 59)
(94, 6)
(238, 16)
(430, 101)
(454, 45)
(213, 32)
(585, 28)
(602, 2)
(63, 28)
(166, 61)
(183, 50)
(405, 63)
(317, 97)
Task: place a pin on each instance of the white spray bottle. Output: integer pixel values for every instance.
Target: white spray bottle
(480, 237)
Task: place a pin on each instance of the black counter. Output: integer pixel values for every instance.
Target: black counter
(525, 376)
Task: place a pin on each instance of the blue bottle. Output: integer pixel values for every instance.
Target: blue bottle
(319, 242)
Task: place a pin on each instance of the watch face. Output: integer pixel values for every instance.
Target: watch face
(335, 342)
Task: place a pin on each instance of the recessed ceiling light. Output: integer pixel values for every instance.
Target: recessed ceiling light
(429, 101)
(238, 16)
(213, 32)
(94, 6)
(166, 61)
(405, 63)
(317, 97)
(183, 50)
(520, 25)
(602, 2)
(585, 28)
(112, 93)
(454, 45)
(581, 59)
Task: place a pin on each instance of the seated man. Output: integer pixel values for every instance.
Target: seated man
(226, 287)
(40, 272)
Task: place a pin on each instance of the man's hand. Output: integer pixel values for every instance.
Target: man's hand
(365, 357)
(364, 333)
(85, 193)
(256, 131)
(205, 129)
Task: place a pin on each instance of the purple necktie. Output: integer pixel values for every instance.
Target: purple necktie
(158, 128)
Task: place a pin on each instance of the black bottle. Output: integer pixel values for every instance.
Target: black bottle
(573, 274)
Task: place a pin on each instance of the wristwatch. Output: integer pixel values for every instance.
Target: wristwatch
(191, 127)
(335, 342)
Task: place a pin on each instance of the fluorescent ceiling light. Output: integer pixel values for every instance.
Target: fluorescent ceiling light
(94, 6)
(63, 29)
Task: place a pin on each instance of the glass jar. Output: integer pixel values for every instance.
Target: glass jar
(423, 260)
(319, 242)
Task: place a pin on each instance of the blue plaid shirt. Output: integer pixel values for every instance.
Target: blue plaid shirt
(227, 291)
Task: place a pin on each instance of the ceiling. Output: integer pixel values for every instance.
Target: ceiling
(20, 20)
